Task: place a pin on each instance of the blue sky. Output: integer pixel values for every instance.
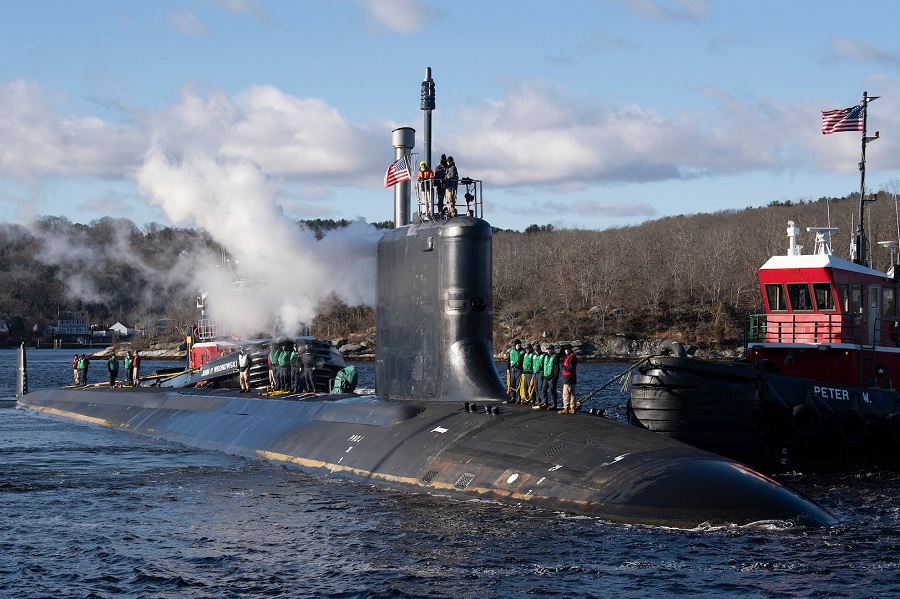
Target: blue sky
(580, 113)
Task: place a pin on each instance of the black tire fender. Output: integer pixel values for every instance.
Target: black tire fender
(805, 420)
(670, 347)
(851, 428)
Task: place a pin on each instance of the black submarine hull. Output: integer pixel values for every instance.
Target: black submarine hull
(580, 464)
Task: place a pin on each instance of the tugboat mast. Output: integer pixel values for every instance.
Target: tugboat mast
(862, 256)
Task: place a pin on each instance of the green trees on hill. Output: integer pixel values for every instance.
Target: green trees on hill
(691, 278)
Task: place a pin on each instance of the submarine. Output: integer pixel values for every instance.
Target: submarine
(438, 422)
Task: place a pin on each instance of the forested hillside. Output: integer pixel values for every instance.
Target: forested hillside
(691, 278)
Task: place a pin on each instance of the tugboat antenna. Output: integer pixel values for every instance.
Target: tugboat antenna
(861, 241)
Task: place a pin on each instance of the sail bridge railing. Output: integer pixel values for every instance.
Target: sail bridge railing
(810, 328)
(434, 201)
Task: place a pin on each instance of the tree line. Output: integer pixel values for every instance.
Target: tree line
(691, 278)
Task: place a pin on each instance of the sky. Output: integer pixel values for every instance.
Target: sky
(577, 113)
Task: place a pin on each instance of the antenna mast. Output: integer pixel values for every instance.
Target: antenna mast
(861, 241)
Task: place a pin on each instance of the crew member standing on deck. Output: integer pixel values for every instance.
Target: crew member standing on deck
(514, 372)
(528, 373)
(296, 368)
(284, 368)
(309, 368)
(426, 184)
(113, 366)
(551, 378)
(569, 363)
(451, 182)
(128, 362)
(440, 174)
(136, 366)
(75, 369)
(537, 364)
(79, 367)
(244, 371)
(273, 364)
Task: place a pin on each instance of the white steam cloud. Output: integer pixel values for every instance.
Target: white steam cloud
(288, 270)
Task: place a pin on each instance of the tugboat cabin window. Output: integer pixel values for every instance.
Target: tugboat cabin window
(824, 297)
(844, 298)
(856, 301)
(776, 299)
(889, 306)
(801, 300)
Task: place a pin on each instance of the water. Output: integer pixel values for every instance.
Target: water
(94, 512)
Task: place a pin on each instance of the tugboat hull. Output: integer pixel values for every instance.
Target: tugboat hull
(770, 421)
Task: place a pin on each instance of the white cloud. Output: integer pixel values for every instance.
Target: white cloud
(402, 16)
(188, 23)
(670, 10)
(41, 139)
(852, 49)
(537, 137)
(250, 7)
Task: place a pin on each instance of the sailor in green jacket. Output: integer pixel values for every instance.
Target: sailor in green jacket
(514, 372)
(537, 366)
(528, 368)
(273, 367)
(551, 378)
(113, 366)
(128, 361)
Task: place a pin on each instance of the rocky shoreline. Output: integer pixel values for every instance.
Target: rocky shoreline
(361, 348)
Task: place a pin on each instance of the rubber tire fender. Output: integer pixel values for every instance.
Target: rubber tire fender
(670, 347)
(850, 428)
(805, 420)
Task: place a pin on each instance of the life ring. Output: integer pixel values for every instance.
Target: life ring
(893, 427)
(670, 347)
(850, 428)
(805, 420)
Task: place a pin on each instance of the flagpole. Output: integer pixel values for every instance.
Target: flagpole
(861, 241)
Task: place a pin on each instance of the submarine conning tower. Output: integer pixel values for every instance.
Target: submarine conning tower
(435, 318)
(434, 312)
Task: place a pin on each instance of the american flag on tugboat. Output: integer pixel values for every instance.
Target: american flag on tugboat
(397, 172)
(846, 119)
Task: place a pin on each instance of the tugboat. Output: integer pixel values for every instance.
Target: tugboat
(212, 361)
(816, 388)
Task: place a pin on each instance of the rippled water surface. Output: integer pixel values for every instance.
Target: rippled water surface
(94, 512)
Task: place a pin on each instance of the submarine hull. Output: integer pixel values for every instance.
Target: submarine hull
(580, 464)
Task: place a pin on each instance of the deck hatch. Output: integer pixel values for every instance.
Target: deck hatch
(464, 481)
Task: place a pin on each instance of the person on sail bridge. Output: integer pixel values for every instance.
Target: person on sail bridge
(426, 184)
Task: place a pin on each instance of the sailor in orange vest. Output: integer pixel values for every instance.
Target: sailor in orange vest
(426, 184)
